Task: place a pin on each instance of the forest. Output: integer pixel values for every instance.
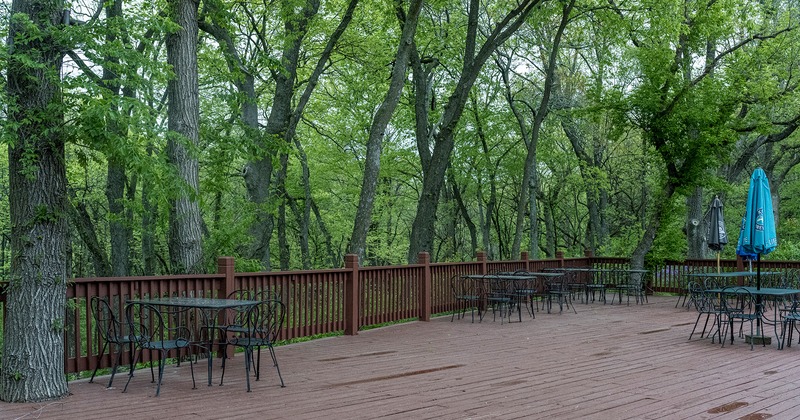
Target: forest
(150, 137)
(289, 133)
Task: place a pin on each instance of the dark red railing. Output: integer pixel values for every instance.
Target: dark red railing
(341, 300)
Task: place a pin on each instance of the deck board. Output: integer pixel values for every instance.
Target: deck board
(606, 362)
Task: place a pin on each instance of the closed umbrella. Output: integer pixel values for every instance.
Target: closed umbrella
(758, 227)
(716, 235)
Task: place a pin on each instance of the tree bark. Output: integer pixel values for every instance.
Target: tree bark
(422, 229)
(82, 222)
(185, 236)
(530, 185)
(491, 202)
(116, 180)
(462, 208)
(36, 291)
(695, 225)
(372, 161)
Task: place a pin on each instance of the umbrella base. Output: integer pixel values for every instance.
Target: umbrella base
(758, 339)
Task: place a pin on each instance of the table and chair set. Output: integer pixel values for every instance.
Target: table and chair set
(184, 327)
(507, 292)
(729, 298)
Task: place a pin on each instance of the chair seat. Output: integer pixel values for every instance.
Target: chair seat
(166, 344)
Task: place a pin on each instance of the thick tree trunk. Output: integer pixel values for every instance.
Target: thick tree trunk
(530, 185)
(695, 225)
(372, 162)
(149, 217)
(185, 236)
(33, 336)
(533, 217)
(462, 208)
(284, 255)
(491, 203)
(83, 224)
(334, 259)
(119, 231)
(117, 228)
(550, 233)
(423, 227)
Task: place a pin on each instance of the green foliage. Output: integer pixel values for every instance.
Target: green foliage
(649, 120)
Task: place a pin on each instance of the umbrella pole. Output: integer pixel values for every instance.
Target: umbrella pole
(718, 262)
(758, 296)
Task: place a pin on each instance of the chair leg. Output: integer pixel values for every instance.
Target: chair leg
(97, 361)
(247, 356)
(130, 374)
(695, 326)
(116, 365)
(275, 361)
(162, 360)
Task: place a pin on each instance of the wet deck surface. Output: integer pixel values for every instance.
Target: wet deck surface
(606, 362)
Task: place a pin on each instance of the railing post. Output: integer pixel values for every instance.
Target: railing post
(524, 257)
(351, 296)
(425, 287)
(226, 266)
(560, 259)
(481, 257)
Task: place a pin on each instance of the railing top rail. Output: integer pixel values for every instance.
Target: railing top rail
(145, 278)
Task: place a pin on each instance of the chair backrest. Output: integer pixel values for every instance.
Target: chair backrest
(710, 283)
(704, 301)
(462, 286)
(108, 326)
(265, 294)
(265, 320)
(736, 299)
(499, 288)
(152, 326)
(555, 285)
(241, 294)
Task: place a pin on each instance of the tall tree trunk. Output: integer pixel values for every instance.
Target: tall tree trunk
(530, 186)
(695, 225)
(333, 258)
(377, 131)
(491, 203)
(462, 208)
(284, 256)
(423, 227)
(185, 236)
(83, 224)
(305, 218)
(596, 194)
(116, 178)
(33, 337)
(149, 217)
(258, 171)
(653, 224)
(550, 231)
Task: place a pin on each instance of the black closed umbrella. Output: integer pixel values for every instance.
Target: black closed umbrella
(716, 234)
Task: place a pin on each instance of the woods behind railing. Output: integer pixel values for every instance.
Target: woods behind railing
(342, 300)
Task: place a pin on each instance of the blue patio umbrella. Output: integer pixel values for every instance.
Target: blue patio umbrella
(758, 227)
(758, 236)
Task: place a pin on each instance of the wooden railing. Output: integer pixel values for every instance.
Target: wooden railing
(347, 299)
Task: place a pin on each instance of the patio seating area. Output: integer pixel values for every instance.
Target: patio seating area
(606, 361)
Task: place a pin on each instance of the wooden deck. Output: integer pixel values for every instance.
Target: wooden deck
(606, 362)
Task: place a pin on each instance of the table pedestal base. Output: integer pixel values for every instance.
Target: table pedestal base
(758, 339)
